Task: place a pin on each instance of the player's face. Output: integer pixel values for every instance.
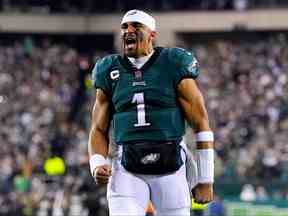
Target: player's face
(137, 39)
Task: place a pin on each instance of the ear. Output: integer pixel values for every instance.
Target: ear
(153, 35)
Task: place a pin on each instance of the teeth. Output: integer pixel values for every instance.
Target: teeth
(130, 40)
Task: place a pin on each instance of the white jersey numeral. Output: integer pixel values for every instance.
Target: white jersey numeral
(138, 98)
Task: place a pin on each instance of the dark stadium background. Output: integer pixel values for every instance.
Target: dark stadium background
(46, 98)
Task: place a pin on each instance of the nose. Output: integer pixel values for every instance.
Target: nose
(130, 28)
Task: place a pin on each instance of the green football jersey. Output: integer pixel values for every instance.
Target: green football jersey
(144, 101)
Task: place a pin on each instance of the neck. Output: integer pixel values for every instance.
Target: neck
(140, 60)
(147, 52)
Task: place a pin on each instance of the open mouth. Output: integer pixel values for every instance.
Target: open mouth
(130, 42)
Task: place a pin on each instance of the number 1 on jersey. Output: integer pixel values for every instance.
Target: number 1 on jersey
(138, 98)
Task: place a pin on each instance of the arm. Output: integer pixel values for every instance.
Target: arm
(192, 104)
(98, 139)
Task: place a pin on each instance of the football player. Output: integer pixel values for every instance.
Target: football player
(146, 94)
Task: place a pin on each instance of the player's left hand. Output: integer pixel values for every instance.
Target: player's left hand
(203, 193)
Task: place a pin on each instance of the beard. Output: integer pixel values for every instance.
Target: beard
(131, 50)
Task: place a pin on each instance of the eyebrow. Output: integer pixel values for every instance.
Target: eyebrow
(135, 24)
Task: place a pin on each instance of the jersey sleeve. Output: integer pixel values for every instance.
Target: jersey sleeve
(185, 62)
(100, 74)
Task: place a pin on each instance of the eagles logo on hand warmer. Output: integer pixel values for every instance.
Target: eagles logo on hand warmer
(152, 158)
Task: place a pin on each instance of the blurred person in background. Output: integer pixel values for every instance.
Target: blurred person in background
(217, 208)
(148, 93)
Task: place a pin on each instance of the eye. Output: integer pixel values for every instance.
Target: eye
(137, 25)
(124, 26)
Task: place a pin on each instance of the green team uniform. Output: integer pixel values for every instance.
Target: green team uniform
(144, 104)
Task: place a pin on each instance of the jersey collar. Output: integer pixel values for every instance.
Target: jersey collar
(125, 62)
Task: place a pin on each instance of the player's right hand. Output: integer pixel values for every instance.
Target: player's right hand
(102, 173)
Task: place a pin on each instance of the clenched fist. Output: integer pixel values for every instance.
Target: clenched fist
(102, 173)
(203, 193)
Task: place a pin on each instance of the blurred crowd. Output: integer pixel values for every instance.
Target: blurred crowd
(90, 6)
(46, 98)
(41, 90)
(246, 89)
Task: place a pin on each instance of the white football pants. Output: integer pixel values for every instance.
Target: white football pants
(128, 194)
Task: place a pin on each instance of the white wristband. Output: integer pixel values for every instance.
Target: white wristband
(95, 161)
(205, 136)
(205, 165)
